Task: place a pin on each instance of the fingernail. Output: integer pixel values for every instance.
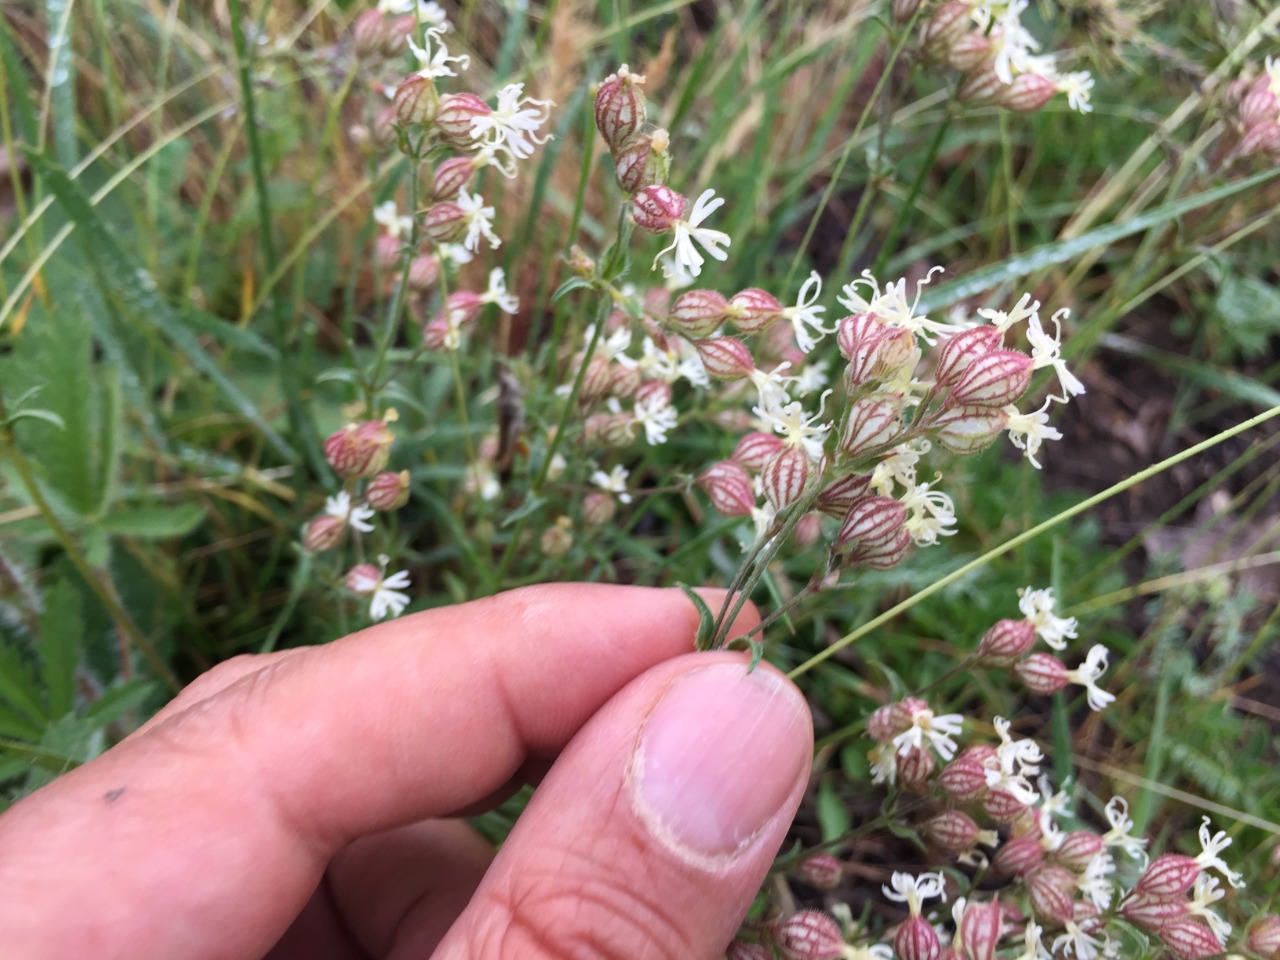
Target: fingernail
(720, 754)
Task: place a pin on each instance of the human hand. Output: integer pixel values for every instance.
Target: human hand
(290, 804)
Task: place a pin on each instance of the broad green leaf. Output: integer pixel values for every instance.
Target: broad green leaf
(153, 523)
(61, 631)
(120, 275)
(1063, 251)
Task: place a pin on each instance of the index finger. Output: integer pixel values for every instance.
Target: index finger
(204, 834)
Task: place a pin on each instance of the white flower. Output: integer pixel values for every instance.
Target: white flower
(497, 292)
(483, 482)
(454, 252)
(1046, 351)
(796, 429)
(657, 416)
(341, 507)
(812, 378)
(913, 891)
(1211, 846)
(675, 275)
(387, 216)
(892, 307)
(1205, 893)
(1076, 86)
(1032, 946)
(898, 469)
(933, 515)
(615, 481)
(436, 64)
(426, 11)
(386, 597)
(1076, 943)
(690, 365)
(804, 315)
(1027, 431)
(938, 731)
(1120, 834)
(690, 229)
(771, 388)
(1022, 310)
(512, 126)
(479, 221)
(1094, 666)
(1095, 883)
(884, 764)
(762, 519)
(1015, 761)
(1037, 607)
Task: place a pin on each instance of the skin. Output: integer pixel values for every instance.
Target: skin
(299, 804)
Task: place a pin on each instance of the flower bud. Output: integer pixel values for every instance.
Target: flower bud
(872, 521)
(729, 487)
(969, 52)
(995, 379)
(961, 349)
(416, 100)
(822, 870)
(387, 250)
(1002, 806)
(445, 222)
(383, 131)
(859, 333)
(388, 490)
(884, 556)
(359, 449)
(610, 429)
(1007, 642)
(906, 710)
(1261, 138)
(370, 34)
(968, 429)
(619, 107)
(642, 161)
(323, 533)
(964, 778)
(557, 539)
(871, 423)
(453, 119)
(1050, 889)
(657, 208)
(756, 449)
(725, 358)
(839, 496)
(424, 271)
(439, 335)
(596, 380)
(1018, 856)
(697, 313)
(979, 930)
(981, 87)
(1171, 875)
(1264, 937)
(1259, 104)
(451, 176)
(598, 509)
(626, 381)
(754, 310)
(580, 263)
(903, 10)
(808, 530)
(915, 767)
(953, 830)
(809, 935)
(361, 578)
(882, 725)
(1078, 848)
(1028, 93)
(1042, 673)
(741, 950)
(916, 940)
(1189, 939)
(785, 476)
(947, 25)
(1153, 912)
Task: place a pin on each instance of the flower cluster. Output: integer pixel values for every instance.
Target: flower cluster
(987, 42)
(358, 454)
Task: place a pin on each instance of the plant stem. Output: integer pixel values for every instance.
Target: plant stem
(907, 210)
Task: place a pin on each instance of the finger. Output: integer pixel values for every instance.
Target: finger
(206, 833)
(654, 829)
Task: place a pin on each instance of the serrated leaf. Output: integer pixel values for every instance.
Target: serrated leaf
(571, 284)
(706, 619)
(18, 686)
(61, 630)
(153, 523)
(118, 274)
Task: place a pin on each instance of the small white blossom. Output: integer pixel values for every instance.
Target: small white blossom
(512, 126)
(884, 764)
(804, 316)
(1212, 845)
(1087, 674)
(1046, 351)
(937, 730)
(891, 305)
(690, 229)
(1022, 310)
(482, 481)
(1077, 87)
(657, 416)
(1032, 946)
(1095, 883)
(427, 11)
(1120, 835)
(771, 389)
(1076, 943)
(479, 221)
(386, 597)
(396, 225)
(437, 63)
(356, 517)
(615, 481)
(455, 253)
(762, 519)
(497, 292)
(913, 891)
(812, 377)
(1204, 894)
(932, 514)
(1027, 431)
(898, 469)
(1037, 607)
(796, 429)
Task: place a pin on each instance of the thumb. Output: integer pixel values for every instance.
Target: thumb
(655, 827)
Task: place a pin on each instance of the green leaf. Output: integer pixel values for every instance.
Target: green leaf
(153, 523)
(229, 334)
(1061, 251)
(1250, 312)
(48, 416)
(115, 701)
(118, 274)
(573, 283)
(706, 619)
(833, 816)
(61, 631)
(18, 686)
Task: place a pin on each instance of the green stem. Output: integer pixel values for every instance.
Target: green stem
(907, 210)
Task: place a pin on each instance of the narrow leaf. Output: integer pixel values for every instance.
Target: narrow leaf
(153, 523)
(61, 631)
(706, 619)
